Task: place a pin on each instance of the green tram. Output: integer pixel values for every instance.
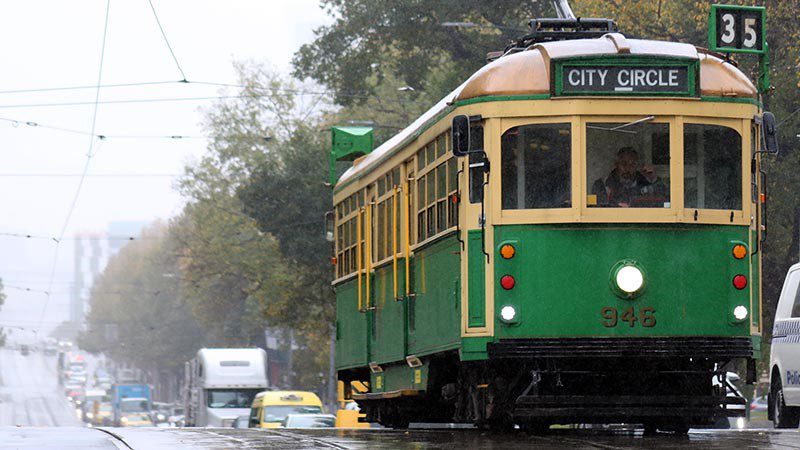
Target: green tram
(571, 236)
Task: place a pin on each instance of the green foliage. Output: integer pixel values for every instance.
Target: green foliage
(138, 314)
(373, 39)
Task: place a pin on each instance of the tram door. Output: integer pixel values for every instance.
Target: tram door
(475, 237)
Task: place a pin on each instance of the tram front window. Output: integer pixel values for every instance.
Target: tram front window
(627, 165)
(712, 167)
(536, 162)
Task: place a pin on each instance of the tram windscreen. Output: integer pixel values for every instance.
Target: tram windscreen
(536, 166)
(627, 165)
(712, 167)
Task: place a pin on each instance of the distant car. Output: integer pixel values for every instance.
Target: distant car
(101, 415)
(136, 420)
(270, 408)
(759, 404)
(309, 421)
(176, 418)
(241, 421)
(24, 349)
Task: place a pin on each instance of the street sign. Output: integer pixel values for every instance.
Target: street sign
(737, 29)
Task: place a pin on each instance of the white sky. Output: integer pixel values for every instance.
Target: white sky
(57, 43)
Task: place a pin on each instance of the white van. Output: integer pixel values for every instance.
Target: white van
(784, 393)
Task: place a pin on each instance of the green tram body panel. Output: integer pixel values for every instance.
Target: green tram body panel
(427, 322)
(563, 280)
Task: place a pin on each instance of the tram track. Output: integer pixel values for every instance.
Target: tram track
(302, 438)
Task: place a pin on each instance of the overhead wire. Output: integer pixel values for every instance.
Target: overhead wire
(17, 122)
(171, 52)
(90, 175)
(81, 238)
(86, 165)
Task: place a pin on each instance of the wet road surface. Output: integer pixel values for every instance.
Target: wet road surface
(34, 414)
(228, 438)
(29, 392)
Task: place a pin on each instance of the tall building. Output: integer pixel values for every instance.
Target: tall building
(91, 253)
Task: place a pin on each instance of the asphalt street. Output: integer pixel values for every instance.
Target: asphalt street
(35, 415)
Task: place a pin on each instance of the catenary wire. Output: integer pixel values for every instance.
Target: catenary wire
(166, 41)
(86, 165)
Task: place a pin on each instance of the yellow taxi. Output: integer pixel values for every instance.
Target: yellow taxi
(271, 407)
(136, 420)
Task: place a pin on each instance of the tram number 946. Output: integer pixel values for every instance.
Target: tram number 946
(611, 316)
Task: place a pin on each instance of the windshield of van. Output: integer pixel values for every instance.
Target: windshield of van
(231, 398)
(278, 413)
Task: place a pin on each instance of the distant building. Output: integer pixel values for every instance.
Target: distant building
(91, 253)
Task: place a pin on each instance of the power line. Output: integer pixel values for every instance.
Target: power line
(76, 88)
(128, 101)
(17, 122)
(87, 238)
(174, 58)
(96, 175)
(88, 160)
(185, 99)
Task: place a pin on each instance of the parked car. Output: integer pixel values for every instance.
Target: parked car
(309, 421)
(784, 395)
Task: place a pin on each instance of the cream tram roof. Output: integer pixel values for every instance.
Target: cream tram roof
(528, 73)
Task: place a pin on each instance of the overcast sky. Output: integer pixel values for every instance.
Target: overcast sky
(57, 43)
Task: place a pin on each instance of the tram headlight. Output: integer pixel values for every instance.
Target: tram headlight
(629, 279)
(740, 312)
(508, 313)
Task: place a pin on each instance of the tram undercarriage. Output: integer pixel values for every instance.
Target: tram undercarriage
(664, 384)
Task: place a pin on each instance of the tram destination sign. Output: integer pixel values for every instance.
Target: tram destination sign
(620, 79)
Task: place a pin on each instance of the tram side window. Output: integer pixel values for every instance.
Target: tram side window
(346, 242)
(627, 165)
(712, 167)
(536, 166)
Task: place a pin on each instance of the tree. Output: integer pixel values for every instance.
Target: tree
(138, 314)
(373, 39)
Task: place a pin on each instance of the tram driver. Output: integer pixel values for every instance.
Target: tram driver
(629, 184)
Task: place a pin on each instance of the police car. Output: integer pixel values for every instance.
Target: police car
(784, 395)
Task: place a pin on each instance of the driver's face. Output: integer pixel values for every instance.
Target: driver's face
(627, 165)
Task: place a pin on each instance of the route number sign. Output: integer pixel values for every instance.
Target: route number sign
(737, 29)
